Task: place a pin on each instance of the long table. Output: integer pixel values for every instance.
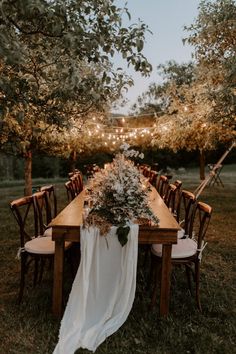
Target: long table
(66, 227)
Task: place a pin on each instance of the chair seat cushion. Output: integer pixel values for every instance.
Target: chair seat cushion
(48, 232)
(180, 233)
(184, 248)
(42, 245)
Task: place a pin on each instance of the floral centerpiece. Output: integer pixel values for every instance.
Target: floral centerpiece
(120, 194)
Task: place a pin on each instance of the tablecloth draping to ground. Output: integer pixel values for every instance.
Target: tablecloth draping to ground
(103, 290)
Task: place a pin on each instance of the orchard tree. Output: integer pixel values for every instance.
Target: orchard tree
(158, 97)
(214, 37)
(200, 112)
(56, 63)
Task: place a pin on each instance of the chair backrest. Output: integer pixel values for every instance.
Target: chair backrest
(75, 184)
(199, 222)
(43, 211)
(170, 197)
(70, 191)
(79, 178)
(153, 177)
(185, 209)
(72, 173)
(162, 185)
(50, 189)
(26, 217)
(147, 171)
(178, 183)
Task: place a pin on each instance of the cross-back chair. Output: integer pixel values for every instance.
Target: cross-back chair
(177, 201)
(75, 184)
(162, 185)
(178, 183)
(184, 211)
(30, 213)
(72, 173)
(46, 208)
(50, 189)
(71, 194)
(153, 177)
(187, 252)
(80, 180)
(170, 197)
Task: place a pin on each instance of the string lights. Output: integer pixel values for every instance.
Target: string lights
(116, 130)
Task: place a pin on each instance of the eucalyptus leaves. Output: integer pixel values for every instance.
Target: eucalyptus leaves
(120, 196)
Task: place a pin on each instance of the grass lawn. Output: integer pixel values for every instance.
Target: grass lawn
(31, 329)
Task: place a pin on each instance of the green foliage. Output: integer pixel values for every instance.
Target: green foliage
(122, 233)
(179, 74)
(58, 51)
(213, 35)
(199, 109)
(158, 97)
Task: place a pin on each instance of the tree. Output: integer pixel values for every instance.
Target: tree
(55, 63)
(200, 110)
(214, 37)
(189, 122)
(85, 31)
(157, 98)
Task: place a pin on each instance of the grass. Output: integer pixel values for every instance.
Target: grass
(31, 329)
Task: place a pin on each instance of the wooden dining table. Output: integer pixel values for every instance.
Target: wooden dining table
(66, 227)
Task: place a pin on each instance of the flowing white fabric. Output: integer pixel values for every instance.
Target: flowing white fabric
(103, 290)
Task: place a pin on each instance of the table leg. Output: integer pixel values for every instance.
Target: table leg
(58, 277)
(165, 280)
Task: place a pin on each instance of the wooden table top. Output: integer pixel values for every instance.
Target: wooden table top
(67, 223)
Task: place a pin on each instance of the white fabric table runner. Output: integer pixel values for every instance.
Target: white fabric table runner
(103, 290)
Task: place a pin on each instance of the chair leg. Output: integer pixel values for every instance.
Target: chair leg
(188, 274)
(22, 276)
(197, 279)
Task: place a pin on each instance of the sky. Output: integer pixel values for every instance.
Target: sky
(166, 19)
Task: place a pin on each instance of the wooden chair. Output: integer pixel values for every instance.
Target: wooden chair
(184, 212)
(77, 182)
(178, 192)
(162, 186)
(79, 177)
(46, 206)
(30, 214)
(215, 171)
(178, 183)
(153, 177)
(71, 193)
(72, 173)
(170, 197)
(50, 189)
(187, 252)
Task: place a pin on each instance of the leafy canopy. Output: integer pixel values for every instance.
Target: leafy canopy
(56, 64)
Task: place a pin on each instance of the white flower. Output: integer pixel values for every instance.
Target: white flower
(125, 146)
(141, 156)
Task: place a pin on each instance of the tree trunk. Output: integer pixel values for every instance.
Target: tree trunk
(73, 158)
(202, 164)
(28, 173)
